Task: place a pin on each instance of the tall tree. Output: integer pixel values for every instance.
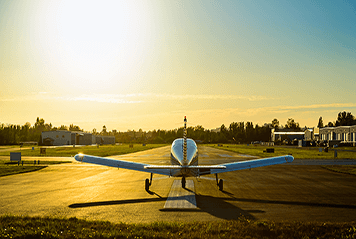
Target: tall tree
(63, 127)
(73, 127)
(330, 124)
(275, 123)
(291, 124)
(345, 119)
(320, 124)
(250, 132)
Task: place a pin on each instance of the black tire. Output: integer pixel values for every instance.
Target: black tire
(147, 184)
(221, 185)
(183, 182)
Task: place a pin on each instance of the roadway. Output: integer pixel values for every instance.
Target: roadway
(293, 192)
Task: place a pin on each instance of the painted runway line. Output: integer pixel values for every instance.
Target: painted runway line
(181, 198)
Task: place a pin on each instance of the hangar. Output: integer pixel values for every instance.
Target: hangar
(300, 137)
(57, 138)
(64, 137)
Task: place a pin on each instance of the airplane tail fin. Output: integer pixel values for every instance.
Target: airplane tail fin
(185, 142)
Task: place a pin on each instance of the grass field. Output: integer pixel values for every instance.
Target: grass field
(10, 168)
(298, 153)
(349, 169)
(7, 168)
(257, 150)
(37, 227)
(103, 151)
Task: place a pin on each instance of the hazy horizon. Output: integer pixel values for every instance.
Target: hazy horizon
(147, 64)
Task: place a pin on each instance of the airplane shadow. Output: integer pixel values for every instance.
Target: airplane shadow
(220, 207)
(115, 202)
(153, 193)
(215, 206)
(293, 203)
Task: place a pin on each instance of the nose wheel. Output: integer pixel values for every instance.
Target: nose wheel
(183, 182)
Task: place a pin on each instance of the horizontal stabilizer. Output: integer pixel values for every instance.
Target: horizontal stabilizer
(182, 167)
(163, 167)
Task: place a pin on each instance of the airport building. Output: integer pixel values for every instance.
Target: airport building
(302, 138)
(344, 134)
(64, 137)
(330, 135)
(104, 139)
(287, 134)
(57, 138)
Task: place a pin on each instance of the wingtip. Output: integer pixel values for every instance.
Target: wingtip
(79, 157)
(289, 158)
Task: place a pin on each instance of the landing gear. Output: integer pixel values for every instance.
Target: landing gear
(220, 183)
(148, 183)
(183, 182)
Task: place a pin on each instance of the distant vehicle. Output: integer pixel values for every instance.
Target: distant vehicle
(184, 163)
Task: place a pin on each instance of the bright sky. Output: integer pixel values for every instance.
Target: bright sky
(147, 64)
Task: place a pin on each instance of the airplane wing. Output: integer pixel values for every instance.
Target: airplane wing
(229, 167)
(122, 164)
(170, 170)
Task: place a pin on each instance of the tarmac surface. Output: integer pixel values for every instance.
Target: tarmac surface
(299, 191)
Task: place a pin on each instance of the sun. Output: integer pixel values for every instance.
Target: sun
(91, 44)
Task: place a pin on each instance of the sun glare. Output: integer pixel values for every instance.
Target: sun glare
(95, 43)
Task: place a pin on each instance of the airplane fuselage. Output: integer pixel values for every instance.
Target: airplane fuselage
(177, 156)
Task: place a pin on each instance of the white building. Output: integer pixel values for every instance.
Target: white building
(63, 137)
(346, 134)
(57, 138)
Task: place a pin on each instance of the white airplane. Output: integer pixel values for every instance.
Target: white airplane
(184, 162)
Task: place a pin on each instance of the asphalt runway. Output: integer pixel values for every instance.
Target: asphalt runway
(289, 192)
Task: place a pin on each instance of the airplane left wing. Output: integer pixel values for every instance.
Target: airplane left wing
(122, 164)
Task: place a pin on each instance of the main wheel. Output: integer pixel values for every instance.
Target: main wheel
(221, 185)
(183, 182)
(147, 184)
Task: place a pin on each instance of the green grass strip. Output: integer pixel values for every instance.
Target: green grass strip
(44, 227)
(298, 153)
(10, 170)
(348, 169)
(69, 151)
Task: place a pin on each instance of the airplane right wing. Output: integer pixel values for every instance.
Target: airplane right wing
(229, 167)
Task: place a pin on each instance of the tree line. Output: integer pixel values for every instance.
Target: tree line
(15, 134)
(236, 132)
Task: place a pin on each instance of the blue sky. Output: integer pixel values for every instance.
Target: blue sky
(147, 64)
